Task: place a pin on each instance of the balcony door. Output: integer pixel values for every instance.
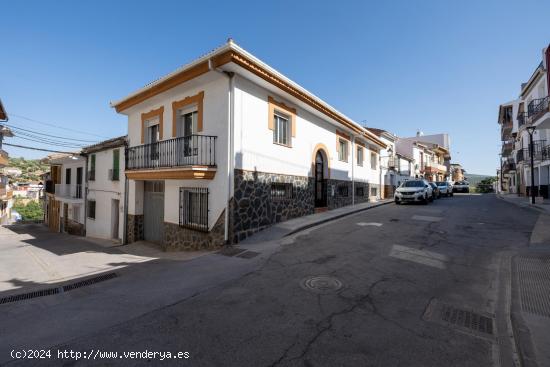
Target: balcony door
(79, 175)
(153, 137)
(185, 130)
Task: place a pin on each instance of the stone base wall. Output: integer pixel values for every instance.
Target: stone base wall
(177, 238)
(340, 193)
(74, 228)
(255, 208)
(135, 228)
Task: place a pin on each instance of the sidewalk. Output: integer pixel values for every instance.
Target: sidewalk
(290, 227)
(525, 202)
(530, 301)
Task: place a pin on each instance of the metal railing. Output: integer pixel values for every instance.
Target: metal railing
(194, 208)
(540, 152)
(69, 191)
(537, 107)
(523, 119)
(192, 150)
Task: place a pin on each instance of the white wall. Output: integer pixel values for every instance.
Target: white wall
(215, 118)
(255, 150)
(104, 191)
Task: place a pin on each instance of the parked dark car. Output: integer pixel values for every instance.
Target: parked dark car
(436, 194)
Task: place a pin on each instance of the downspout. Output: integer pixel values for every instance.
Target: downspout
(230, 154)
(352, 170)
(126, 187)
(85, 190)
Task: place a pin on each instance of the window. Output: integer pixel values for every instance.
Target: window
(116, 165)
(343, 190)
(373, 191)
(68, 176)
(281, 191)
(194, 208)
(281, 129)
(91, 173)
(91, 209)
(342, 150)
(360, 156)
(373, 160)
(359, 191)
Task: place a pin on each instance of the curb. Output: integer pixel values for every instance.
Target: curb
(526, 206)
(322, 221)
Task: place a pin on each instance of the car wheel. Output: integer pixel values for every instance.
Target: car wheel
(426, 200)
(432, 198)
(397, 202)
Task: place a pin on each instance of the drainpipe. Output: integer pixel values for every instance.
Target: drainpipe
(230, 149)
(126, 186)
(380, 176)
(352, 170)
(85, 190)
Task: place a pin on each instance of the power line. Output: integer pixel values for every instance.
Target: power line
(49, 143)
(48, 140)
(43, 150)
(53, 136)
(56, 126)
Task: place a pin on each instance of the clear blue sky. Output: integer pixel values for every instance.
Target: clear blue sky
(438, 66)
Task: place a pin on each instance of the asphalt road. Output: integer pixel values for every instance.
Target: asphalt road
(397, 266)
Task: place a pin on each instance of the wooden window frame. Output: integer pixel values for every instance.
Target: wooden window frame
(181, 104)
(159, 112)
(283, 109)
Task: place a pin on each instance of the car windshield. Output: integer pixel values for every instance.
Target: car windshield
(439, 183)
(413, 184)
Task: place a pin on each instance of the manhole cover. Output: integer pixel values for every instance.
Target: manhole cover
(321, 284)
(533, 274)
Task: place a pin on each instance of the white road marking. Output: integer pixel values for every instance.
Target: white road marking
(423, 257)
(363, 224)
(426, 218)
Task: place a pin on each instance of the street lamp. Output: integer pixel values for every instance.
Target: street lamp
(531, 130)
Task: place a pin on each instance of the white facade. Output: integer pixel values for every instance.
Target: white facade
(106, 191)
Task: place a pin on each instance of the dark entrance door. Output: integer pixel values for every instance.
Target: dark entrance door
(320, 182)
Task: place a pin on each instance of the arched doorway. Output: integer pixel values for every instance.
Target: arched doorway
(320, 180)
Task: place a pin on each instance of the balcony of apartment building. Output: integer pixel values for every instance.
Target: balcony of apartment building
(508, 165)
(434, 167)
(188, 157)
(538, 111)
(507, 147)
(69, 191)
(541, 152)
(506, 130)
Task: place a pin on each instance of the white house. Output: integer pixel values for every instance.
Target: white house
(226, 146)
(105, 189)
(431, 154)
(65, 193)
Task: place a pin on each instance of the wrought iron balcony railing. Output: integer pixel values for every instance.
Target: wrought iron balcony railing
(523, 119)
(537, 108)
(192, 150)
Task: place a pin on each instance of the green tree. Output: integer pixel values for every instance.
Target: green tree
(31, 211)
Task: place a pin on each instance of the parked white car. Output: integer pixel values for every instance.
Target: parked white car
(461, 186)
(445, 188)
(414, 191)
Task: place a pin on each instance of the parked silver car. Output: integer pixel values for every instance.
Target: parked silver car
(445, 188)
(414, 191)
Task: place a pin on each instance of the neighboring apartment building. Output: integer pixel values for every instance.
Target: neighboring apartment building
(105, 189)
(457, 172)
(65, 192)
(227, 146)
(431, 155)
(531, 111)
(6, 193)
(395, 167)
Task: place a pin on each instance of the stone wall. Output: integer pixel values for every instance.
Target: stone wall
(135, 228)
(256, 209)
(176, 237)
(340, 193)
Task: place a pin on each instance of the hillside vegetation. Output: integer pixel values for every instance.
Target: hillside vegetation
(31, 169)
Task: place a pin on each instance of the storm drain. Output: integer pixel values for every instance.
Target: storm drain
(248, 255)
(533, 274)
(461, 318)
(90, 281)
(321, 284)
(24, 296)
(57, 290)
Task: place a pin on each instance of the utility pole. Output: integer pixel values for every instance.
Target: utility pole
(530, 130)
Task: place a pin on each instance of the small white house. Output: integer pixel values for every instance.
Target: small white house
(105, 189)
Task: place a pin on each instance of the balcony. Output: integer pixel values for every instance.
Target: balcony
(523, 119)
(537, 108)
(433, 167)
(68, 191)
(506, 130)
(507, 147)
(541, 151)
(191, 156)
